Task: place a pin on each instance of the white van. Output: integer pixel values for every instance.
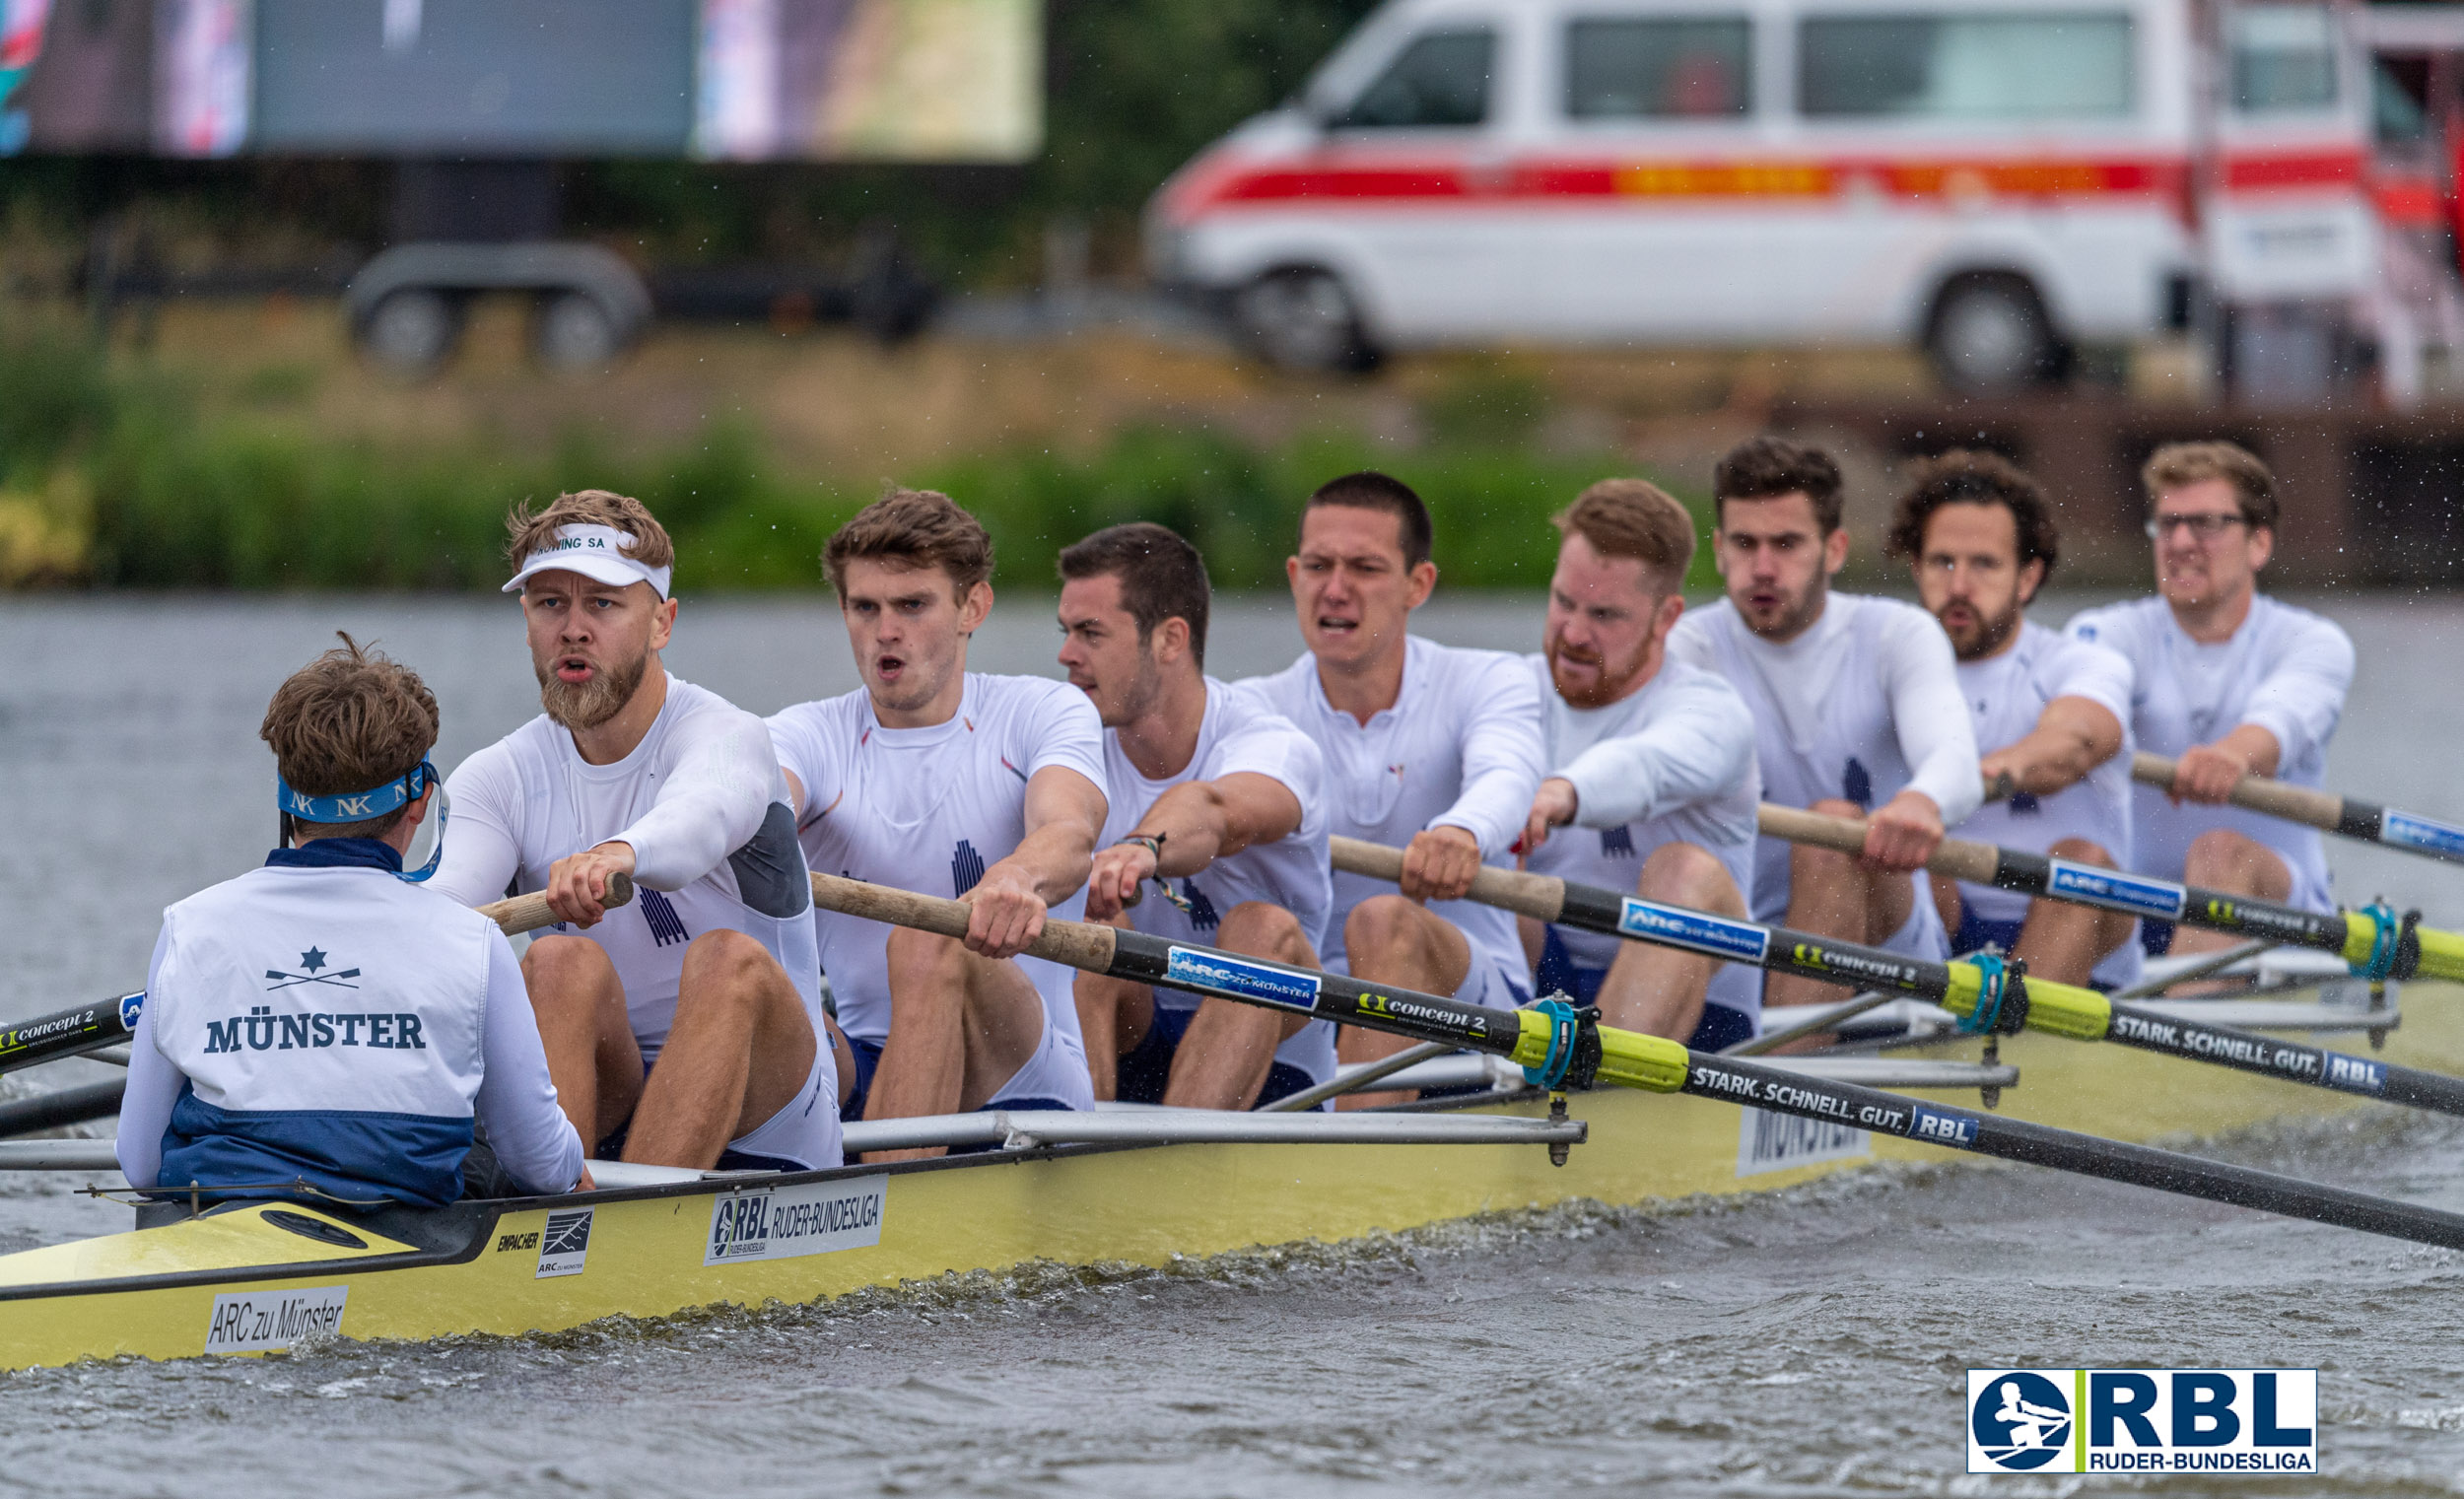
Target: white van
(1993, 179)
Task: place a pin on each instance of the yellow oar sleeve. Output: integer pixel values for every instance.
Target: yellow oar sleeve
(2060, 1009)
(1627, 1058)
(2442, 952)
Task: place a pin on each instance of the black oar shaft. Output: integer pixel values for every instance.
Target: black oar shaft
(2348, 816)
(67, 1033)
(2171, 1034)
(66, 1106)
(2009, 1140)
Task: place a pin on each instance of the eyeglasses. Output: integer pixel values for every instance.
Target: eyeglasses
(2204, 527)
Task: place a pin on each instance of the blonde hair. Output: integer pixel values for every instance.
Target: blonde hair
(2176, 464)
(528, 531)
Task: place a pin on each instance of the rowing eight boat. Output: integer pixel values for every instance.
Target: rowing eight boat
(259, 1277)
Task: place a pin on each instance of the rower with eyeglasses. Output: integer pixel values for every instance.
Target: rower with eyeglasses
(2229, 682)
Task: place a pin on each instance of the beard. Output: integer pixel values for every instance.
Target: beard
(588, 705)
(1611, 684)
(1989, 633)
(1796, 615)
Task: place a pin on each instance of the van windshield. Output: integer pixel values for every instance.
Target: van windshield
(1440, 79)
(2284, 58)
(1697, 68)
(2047, 65)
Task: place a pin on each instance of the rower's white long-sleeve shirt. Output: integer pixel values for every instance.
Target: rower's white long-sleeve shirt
(704, 804)
(1696, 744)
(1862, 705)
(1460, 748)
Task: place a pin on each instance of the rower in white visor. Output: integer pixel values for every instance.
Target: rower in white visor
(683, 1028)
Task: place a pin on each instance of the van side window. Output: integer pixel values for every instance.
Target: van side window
(1440, 79)
(2041, 65)
(1698, 68)
(2284, 58)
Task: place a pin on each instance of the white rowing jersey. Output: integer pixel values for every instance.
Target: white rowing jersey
(1460, 748)
(1239, 735)
(705, 808)
(1861, 706)
(321, 1020)
(2285, 670)
(1672, 762)
(930, 811)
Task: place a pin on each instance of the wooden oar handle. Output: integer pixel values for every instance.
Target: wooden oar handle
(1958, 858)
(1541, 897)
(530, 912)
(2259, 793)
(1075, 944)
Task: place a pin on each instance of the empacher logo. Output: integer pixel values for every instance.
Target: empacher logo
(2143, 1420)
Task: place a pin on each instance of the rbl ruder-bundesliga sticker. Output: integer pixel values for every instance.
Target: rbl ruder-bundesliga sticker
(2143, 1420)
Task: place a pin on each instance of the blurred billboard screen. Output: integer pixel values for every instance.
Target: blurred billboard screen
(728, 80)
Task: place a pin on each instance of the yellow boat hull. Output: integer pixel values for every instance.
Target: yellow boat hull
(239, 1281)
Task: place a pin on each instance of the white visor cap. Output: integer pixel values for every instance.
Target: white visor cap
(597, 552)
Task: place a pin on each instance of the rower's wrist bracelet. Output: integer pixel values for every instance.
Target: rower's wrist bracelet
(1152, 843)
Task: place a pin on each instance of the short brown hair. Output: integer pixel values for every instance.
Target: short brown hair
(1633, 517)
(1967, 476)
(1162, 577)
(529, 531)
(1767, 468)
(1369, 490)
(351, 720)
(912, 528)
(2178, 463)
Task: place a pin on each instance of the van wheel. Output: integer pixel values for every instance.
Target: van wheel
(413, 330)
(574, 333)
(1989, 335)
(1302, 319)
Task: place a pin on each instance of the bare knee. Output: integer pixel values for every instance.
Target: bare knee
(2224, 860)
(2082, 850)
(567, 970)
(1688, 874)
(1386, 924)
(1266, 931)
(1805, 858)
(725, 962)
(921, 959)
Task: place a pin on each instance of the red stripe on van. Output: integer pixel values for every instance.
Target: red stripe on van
(2308, 168)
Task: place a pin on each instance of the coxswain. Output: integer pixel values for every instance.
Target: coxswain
(327, 1028)
(1652, 786)
(1855, 706)
(2228, 683)
(683, 1028)
(932, 778)
(1435, 748)
(2054, 711)
(1216, 833)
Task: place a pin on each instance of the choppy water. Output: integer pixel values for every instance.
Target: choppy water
(1809, 1342)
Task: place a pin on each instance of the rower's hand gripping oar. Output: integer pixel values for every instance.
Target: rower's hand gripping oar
(1558, 1046)
(2376, 943)
(1987, 996)
(90, 1026)
(2346, 816)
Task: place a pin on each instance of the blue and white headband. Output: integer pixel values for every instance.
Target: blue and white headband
(362, 806)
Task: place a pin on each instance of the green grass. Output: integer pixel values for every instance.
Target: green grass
(122, 482)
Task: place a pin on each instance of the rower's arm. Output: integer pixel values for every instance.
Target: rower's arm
(483, 856)
(1503, 756)
(2072, 737)
(1065, 814)
(153, 1086)
(1936, 737)
(516, 1103)
(2297, 706)
(1201, 821)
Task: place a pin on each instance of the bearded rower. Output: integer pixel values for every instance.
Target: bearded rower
(1654, 777)
(1432, 747)
(1217, 815)
(1855, 706)
(324, 1028)
(2054, 709)
(936, 779)
(2229, 682)
(682, 1030)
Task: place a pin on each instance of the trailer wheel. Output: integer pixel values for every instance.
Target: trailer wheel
(1989, 335)
(1303, 319)
(412, 332)
(575, 332)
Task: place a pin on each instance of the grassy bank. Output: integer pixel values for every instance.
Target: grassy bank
(122, 477)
